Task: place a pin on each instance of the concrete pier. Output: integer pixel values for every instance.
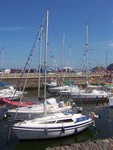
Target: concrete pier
(100, 144)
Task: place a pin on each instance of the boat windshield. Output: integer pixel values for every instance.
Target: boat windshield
(64, 120)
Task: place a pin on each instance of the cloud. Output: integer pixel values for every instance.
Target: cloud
(15, 28)
(11, 28)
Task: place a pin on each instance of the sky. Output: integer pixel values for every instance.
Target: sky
(20, 22)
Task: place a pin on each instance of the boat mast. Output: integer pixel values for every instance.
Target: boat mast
(40, 49)
(63, 58)
(2, 50)
(106, 63)
(46, 48)
(70, 68)
(87, 72)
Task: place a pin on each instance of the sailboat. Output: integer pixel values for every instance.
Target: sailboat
(53, 125)
(70, 87)
(31, 110)
(64, 87)
(52, 82)
(7, 90)
(92, 93)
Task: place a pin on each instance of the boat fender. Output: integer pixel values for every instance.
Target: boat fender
(97, 116)
(5, 116)
(63, 130)
(45, 130)
(68, 104)
(76, 132)
(29, 116)
(92, 116)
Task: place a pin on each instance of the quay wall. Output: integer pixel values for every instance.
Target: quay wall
(32, 79)
(100, 144)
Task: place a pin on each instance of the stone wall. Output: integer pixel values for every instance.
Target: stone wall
(106, 144)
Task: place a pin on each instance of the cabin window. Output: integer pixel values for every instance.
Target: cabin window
(63, 121)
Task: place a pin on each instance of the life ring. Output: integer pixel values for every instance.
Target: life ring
(92, 116)
(68, 104)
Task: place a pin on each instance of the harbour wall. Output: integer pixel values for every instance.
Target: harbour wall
(32, 79)
(100, 144)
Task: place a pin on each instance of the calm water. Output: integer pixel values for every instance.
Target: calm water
(104, 129)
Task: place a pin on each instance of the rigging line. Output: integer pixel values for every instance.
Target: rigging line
(27, 63)
(29, 60)
(28, 70)
(31, 53)
(92, 52)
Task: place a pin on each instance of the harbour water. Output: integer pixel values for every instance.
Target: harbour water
(103, 130)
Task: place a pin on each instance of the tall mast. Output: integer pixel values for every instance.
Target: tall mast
(46, 48)
(70, 64)
(40, 50)
(2, 50)
(87, 72)
(63, 56)
(106, 63)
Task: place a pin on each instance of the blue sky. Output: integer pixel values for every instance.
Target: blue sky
(20, 21)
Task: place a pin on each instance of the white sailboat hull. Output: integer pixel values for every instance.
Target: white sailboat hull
(38, 109)
(94, 95)
(30, 130)
(33, 111)
(57, 89)
(69, 90)
(85, 96)
(47, 133)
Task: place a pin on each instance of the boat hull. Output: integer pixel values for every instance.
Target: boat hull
(45, 132)
(35, 110)
(57, 89)
(90, 101)
(89, 98)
